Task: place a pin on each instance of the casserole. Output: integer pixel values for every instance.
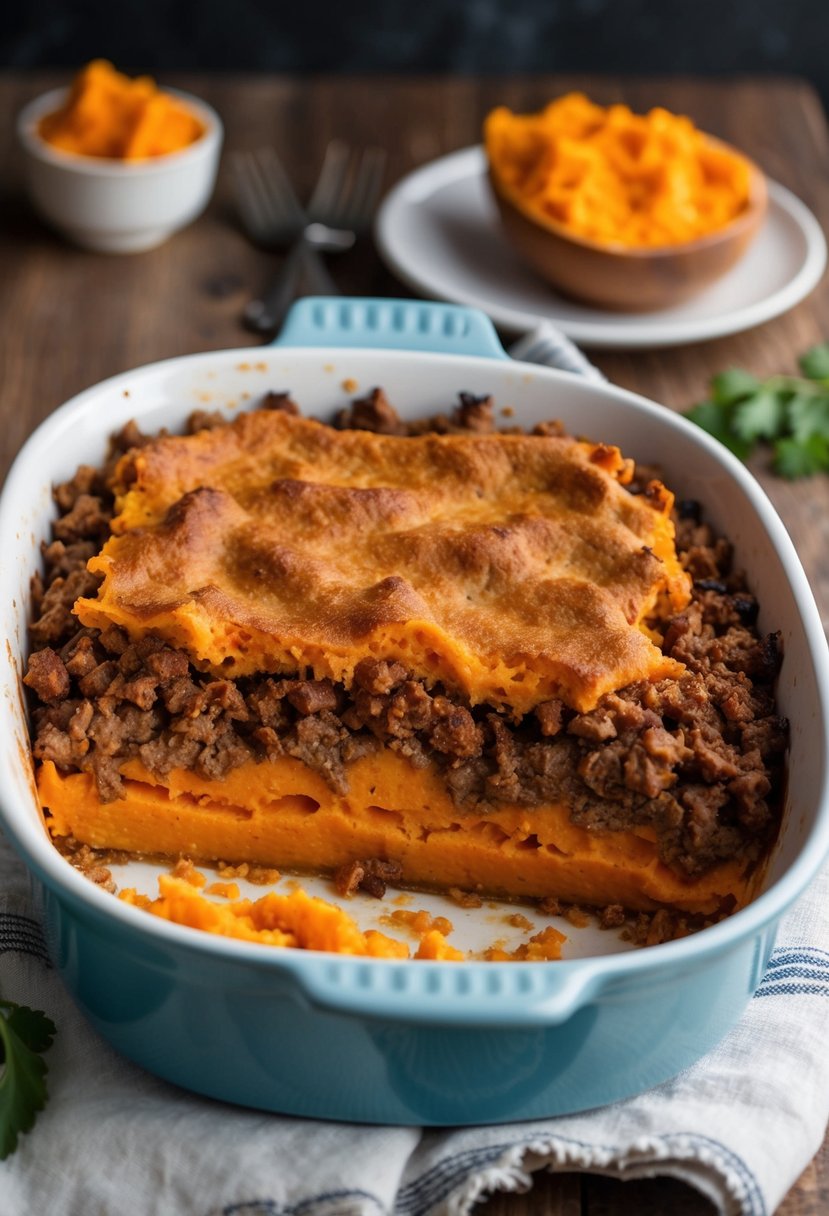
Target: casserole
(380, 1040)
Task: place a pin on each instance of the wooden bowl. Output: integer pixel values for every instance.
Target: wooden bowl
(624, 279)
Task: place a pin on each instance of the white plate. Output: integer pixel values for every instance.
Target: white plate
(439, 232)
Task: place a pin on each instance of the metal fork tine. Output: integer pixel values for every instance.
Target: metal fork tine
(259, 198)
(277, 190)
(351, 201)
(340, 208)
(331, 181)
(366, 189)
(253, 215)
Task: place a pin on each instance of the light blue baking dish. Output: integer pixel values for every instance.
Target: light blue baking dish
(376, 1040)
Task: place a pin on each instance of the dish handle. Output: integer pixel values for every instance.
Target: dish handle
(485, 994)
(390, 325)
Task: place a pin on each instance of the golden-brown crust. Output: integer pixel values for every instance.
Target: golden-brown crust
(513, 568)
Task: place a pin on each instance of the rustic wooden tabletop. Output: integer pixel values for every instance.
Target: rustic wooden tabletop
(71, 318)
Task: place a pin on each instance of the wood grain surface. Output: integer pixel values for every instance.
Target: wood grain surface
(71, 318)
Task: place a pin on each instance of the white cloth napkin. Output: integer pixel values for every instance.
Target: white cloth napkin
(740, 1125)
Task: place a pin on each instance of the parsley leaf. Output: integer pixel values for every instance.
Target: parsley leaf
(32, 1027)
(808, 415)
(801, 459)
(815, 362)
(789, 412)
(732, 386)
(712, 418)
(759, 416)
(24, 1034)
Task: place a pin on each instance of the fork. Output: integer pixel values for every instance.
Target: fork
(273, 217)
(340, 210)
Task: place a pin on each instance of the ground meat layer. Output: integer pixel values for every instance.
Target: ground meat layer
(698, 759)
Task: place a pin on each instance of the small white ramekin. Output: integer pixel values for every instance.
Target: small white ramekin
(115, 206)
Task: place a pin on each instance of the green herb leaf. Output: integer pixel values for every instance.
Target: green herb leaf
(732, 386)
(31, 1026)
(715, 419)
(24, 1033)
(759, 416)
(795, 458)
(808, 415)
(815, 362)
(789, 412)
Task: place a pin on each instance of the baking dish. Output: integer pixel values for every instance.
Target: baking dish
(378, 1040)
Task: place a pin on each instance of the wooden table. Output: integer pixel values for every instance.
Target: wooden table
(71, 318)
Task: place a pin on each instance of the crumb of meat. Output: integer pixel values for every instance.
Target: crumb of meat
(279, 401)
(552, 426)
(370, 876)
(665, 925)
(550, 715)
(379, 676)
(373, 412)
(613, 916)
(205, 420)
(92, 863)
(549, 906)
(102, 877)
(47, 675)
(475, 413)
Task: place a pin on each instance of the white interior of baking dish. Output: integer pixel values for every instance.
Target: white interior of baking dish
(162, 395)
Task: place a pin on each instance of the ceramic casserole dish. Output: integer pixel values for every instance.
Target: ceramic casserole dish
(378, 1040)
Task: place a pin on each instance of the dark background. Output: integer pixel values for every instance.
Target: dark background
(425, 36)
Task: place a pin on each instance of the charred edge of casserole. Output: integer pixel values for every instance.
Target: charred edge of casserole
(698, 759)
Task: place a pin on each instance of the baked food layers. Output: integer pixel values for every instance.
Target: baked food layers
(477, 656)
(510, 568)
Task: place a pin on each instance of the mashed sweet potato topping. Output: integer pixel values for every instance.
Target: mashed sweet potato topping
(107, 114)
(615, 177)
(512, 568)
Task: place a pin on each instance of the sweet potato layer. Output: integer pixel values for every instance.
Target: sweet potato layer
(391, 811)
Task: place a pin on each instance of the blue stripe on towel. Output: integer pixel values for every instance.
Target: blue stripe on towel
(796, 971)
(22, 935)
(329, 1203)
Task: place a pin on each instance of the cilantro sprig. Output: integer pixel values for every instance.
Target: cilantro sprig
(791, 413)
(24, 1035)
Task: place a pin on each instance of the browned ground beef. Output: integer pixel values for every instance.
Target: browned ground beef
(698, 759)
